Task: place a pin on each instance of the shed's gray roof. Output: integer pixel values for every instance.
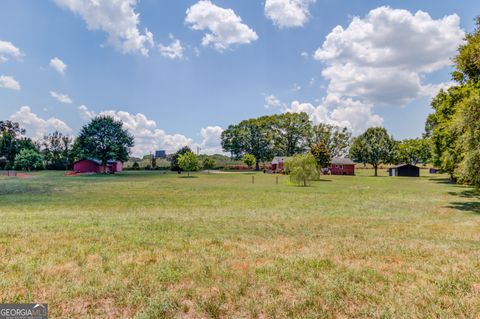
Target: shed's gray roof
(280, 159)
(342, 161)
(402, 165)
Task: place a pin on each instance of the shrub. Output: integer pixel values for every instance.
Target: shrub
(28, 160)
(302, 169)
(249, 160)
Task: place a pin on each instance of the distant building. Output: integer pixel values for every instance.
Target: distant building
(95, 166)
(160, 154)
(278, 164)
(404, 170)
(342, 166)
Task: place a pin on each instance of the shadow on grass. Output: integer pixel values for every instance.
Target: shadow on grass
(191, 176)
(19, 188)
(442, 181)
(469, 193)
(472, 205)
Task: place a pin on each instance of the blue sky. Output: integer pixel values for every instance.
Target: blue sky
(262, 58)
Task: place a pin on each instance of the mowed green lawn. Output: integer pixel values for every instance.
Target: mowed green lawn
(153, 245)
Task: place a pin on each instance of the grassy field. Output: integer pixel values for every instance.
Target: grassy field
(153, 245)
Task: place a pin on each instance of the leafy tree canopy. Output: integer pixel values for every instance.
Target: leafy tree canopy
(336, 139)
(28, 159)
(321, 154)
(188, 162)
(374, 147)
(249, 160)
(414, 151)
(174, 158)
(104, 138)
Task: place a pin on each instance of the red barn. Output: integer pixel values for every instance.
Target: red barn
(278, 164)
(95, 166)
(342, 166)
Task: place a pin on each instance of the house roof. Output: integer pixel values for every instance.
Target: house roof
(280, 159)
(97, 161)
(341, 161)
(402, 165)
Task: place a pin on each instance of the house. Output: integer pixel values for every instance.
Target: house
(342, 166)
(404, 170)
(92, 165)
(278, 164)
(160, 154)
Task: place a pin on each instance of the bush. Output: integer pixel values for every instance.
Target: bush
(28, 159)
(249, 160)
(302, 169)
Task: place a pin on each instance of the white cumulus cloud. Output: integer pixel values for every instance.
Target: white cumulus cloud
(288, 13)
(172, 51)
(8, 82)
(60, 97)
(8, 50)
(271, 101)
(211, 142)
(224, 25)
(382, 57)
(58, 65)
(334, 110)
(37, 127)
(115, 17)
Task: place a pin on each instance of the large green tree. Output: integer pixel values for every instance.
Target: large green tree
(104, 138)
(290, 132)
(373, 147)
(253, 136)
(57, 150)
(10, 135)
(442, 131)
(452, 126)
(336, 139)
(414, 151)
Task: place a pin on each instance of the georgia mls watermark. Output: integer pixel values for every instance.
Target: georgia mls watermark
(24, 311)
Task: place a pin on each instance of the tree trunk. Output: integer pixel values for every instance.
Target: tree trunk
(104, 166)
(257, 165)
(376, 169)
(452, 178)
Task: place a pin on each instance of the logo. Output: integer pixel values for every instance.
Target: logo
(24, 311)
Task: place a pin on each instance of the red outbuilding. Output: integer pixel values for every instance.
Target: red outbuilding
(95, 166)
(342, 166)
(278, 164)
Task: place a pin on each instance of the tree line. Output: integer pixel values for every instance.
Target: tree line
(282, 135)
(454, 125)
(103, 138)
(293, 133)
